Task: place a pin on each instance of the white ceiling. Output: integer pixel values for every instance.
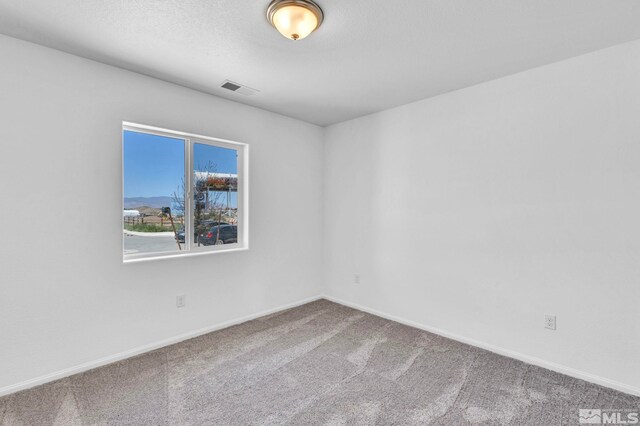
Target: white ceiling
(369, 55)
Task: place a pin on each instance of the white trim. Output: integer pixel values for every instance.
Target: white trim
(189, 335)
(127, 125)
(622, 387)
(148, 234)
(226, 248)
(142, 349)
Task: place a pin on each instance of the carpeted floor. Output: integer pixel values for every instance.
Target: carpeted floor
(318, 364)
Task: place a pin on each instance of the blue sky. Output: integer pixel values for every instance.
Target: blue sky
(154, 165)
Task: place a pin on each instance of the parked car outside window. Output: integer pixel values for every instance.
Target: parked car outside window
(206, 224)
(220, 234)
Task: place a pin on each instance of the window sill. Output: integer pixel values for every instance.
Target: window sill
(151, 257)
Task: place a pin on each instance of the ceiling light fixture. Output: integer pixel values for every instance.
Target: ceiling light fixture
(295, 19)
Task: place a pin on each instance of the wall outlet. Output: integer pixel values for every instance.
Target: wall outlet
(356, 279)
(550, 322)
(181, 300)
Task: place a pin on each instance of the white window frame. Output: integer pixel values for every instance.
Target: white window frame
(243, 193)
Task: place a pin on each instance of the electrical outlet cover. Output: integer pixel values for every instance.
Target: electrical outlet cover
(550, 322)
(180, 301)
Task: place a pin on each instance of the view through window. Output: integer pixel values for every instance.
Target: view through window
(182, 194)
(215, 178)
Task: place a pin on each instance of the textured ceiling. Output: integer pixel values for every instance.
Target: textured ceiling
(369, 55)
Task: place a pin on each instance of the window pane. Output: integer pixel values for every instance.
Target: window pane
(215, 189)
(154, 176)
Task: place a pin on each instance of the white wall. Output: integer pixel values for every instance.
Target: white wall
(479, 211)
(66, 298)
(475, 212)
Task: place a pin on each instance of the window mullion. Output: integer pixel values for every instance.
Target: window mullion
(188, 214)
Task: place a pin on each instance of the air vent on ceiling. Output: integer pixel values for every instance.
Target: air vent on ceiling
(238, 88)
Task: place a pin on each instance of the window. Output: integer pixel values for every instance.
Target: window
(183, 194)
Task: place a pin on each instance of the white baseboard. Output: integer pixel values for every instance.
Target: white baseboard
(142, 349)
(622, 387)
(176, 339)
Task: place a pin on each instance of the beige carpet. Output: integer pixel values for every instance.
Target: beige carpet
(318, 364)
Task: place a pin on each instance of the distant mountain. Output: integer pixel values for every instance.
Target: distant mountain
(155, 202)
